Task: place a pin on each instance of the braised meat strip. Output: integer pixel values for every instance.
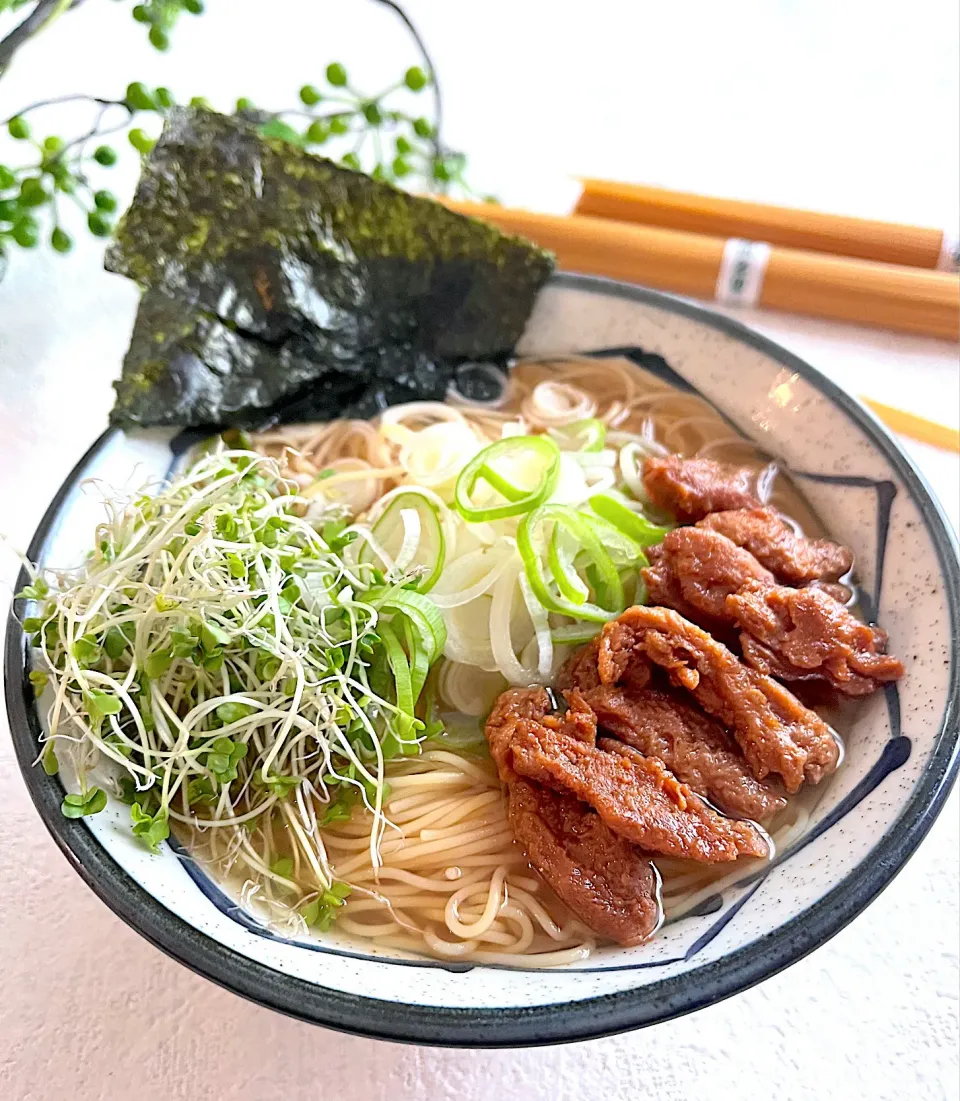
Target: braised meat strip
(792, 634)
(660, 723)
(775, 731)
(696, 570)
(690, 489)
(801, 634)
(605, 881)
(693, 746)
(792, 559)
(640, 800)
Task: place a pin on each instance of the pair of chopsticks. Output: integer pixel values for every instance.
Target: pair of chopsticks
(846, 269)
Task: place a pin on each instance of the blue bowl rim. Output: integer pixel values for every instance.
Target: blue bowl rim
(554, 1023)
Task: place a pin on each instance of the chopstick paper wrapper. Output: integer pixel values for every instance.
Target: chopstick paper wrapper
(812, 231)
(740, 272)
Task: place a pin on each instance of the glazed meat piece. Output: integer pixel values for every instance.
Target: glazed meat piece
(534, 705)
(798, 634)
(775, 731)
(692, 488)
(696, 570)
(791, 558)
(642, 802)
(693, 746)
(609, 884)
(793, 634)
(580, 671)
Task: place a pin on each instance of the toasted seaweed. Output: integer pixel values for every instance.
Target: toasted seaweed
(186, 367)
(281, 286)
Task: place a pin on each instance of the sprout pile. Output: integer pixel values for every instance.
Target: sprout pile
(226, 661)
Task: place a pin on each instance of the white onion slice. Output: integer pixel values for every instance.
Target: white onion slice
(501, 642)
(541, 628)
(411, 538)
(468, 689)
(488, 564)
(436, 410)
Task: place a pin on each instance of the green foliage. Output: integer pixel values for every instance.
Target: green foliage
(371, 133)
(321, 912)
(83, 803)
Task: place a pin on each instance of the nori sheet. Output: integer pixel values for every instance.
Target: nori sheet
(281, 286)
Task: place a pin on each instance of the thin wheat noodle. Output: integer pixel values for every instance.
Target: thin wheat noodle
(452, 881)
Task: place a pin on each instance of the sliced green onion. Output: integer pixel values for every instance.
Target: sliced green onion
(571, 634)
(518, 499)
(621, 548)
(423, 614)
(561, 562)
(609, 588)
(399, 667)
(586, 435)
(388, 531)
(419, 660)
(617, 511)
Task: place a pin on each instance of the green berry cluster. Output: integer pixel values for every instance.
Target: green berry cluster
(381, 138)
(159, 16)
(372, 133)
(30, 195)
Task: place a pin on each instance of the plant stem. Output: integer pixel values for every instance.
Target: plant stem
(42, 15)
(73, 98)
(431, 72)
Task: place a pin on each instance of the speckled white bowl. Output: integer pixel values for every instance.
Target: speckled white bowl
(902, 747)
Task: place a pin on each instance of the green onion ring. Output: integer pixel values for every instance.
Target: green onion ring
(518, 501)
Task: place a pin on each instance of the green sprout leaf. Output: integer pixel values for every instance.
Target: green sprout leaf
(82, 804)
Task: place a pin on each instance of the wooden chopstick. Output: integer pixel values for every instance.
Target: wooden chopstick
(913, 246)
(895, 297)
(917, 428)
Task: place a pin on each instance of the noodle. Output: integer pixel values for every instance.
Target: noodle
(451, 881)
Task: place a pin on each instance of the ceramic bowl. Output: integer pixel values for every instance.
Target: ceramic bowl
(902, 746)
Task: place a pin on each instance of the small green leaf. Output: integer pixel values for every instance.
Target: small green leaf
(212, 636)
(277, 128)
(49, 760)
(282, 785)
(107, 704)
(158, 663)
(86, 650)
(60, 241)
(115, 643)
(233, 712)
(282, 867)
(235, 566)
(82, 804)
(317, 133)
(141, 141)
(138, 97)
(39, 680)
(159, 38)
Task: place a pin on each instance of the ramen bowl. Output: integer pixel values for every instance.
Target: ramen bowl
(901, 742)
